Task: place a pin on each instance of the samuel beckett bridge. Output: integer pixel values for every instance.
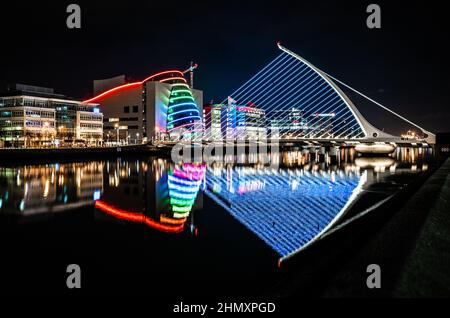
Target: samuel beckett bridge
(293, 101)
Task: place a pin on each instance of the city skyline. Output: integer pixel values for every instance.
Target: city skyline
(399, 72)
(224, 157)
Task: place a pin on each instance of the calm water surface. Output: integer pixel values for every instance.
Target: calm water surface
(136, 222)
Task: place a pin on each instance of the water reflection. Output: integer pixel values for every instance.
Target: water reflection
(34, 189)
(375, 163)
(162, 203)
(288, 208)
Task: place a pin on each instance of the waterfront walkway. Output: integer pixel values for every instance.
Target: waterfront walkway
(51, 154)
(412, 249)
(427, 269)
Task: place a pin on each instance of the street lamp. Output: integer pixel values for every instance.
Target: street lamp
(137, 138)
(117, 132)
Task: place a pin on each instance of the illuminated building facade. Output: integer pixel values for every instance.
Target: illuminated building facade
(234, 122)
(160, 107)
(36, 116)
(77, 122)
(323, 124)
(288, 123)
(212, 121)
(250, 123)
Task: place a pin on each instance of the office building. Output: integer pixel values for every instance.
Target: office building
(233, 122)
(288, 123)
(32, 116)
(212, 118)
(322, 124)
(160, 107)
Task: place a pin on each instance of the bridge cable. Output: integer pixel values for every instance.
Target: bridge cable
(376, 103)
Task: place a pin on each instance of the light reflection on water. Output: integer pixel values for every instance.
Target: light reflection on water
(288, 208)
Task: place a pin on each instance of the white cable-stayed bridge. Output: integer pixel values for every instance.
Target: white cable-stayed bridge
(291, 100)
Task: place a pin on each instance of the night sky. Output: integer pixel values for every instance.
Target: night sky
(404, 65)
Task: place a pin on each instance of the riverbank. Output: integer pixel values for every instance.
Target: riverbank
(389, 235)
(24, 154)
(412, 249)
(426, 270)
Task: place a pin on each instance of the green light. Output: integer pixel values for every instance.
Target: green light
(180, 215)
(184, 209)
(181, 97)
(183, 91)
(182, 202)
(181, 84)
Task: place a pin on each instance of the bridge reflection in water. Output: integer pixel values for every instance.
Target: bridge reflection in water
(288, 208)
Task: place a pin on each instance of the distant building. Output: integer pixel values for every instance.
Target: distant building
(234, 122)
(250, 123)
(443, 145)
(35, 116)
(160, 107)
(212, 118)
(322, 125)
(289, 123)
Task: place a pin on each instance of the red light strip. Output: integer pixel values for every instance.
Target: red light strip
(173, 78)
(165, 219)
(161, 73)
(136, 217)
(111, 91)
(126, 86)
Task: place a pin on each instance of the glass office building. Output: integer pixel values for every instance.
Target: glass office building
(33, 116)
(232, 122)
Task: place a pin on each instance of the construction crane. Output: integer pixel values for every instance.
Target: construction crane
(191, 73)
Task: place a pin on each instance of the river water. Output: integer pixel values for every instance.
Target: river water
(146, 222)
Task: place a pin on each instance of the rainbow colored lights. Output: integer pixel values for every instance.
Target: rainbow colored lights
(182, 112)
(184, 185)
(176, 112)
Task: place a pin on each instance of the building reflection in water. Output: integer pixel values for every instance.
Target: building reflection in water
(288, 208)
(413, 155)
(34, 189)
(291, 207)
(156, 194)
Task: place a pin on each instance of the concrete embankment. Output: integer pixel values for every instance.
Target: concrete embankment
(412, 248)
(426, 272)
(8, 155)
(404, 236)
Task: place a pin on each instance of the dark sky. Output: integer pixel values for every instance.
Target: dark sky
(404, 65)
